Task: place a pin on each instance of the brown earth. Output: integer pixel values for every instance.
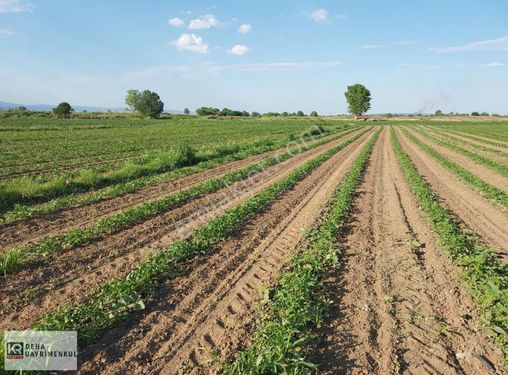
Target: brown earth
(490, 152)
(487, 220)
(68, 275)
(209, 310)
(397, 302)
(31, 230)
(481, 171)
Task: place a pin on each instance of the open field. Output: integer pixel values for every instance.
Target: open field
(259, 245)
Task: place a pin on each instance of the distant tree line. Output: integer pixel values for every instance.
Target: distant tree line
(210, 111)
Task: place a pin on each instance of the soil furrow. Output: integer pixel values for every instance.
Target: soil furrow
(479, 170)
(398, 305)
(31, 230)
(489, 222)
(210, 309)
(69, 275)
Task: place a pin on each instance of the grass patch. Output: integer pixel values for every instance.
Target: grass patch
(484, 274)
(296, 303)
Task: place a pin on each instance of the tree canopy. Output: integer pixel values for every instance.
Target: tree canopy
(147, 103)
(63, 109)
(358, 99)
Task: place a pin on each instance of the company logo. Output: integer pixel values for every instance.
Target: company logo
(15, 350)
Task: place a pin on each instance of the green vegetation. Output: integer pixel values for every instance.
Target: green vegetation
(298, 299)
(220, 155)
(17, 257)
(487, 190)
(146, 103)
(491, 164)
(115, 300)
(453, 137)
(62, 110)
(358, 99)
(485, 275)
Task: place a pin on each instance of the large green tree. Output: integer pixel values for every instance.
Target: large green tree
(147, 103)
(358, 99)
(63, 110)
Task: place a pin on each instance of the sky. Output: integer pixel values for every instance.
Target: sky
(414, 56)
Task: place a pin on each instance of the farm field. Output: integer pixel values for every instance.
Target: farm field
(257, 246)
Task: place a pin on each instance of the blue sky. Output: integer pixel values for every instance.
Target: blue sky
(418, 55)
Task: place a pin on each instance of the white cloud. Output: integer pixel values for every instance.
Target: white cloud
(190, 42)
(239, 50)
(492, 65)
(245, 28)
(499, 44)
(320, 15)
(204, 22)
(158, 72)
(14, 6)
(176, 21)
(387, 45)
(5, 33)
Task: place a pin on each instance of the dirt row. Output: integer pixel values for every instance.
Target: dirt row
(209, 310)
(485, 219)
(31, 230)
(481, 171)
(398, 304)
(467, 144)
(68, 275)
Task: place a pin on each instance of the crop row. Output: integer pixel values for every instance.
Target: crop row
(487, 132)
(20, 256)
(115, 300)
(491, 164)
(453, 137)
(487, 190)
(485, 275)
(297, 301)
(224, 155)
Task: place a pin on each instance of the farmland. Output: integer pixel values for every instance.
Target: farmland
(259, 245)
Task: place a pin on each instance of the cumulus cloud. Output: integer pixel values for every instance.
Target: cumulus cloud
(5, 33)
(492, 65)
(499, 44)
(176, 21)
(245, 28)
(320, 15)
(14, 6)
(190, 42)
(239, 50)
(204, 22)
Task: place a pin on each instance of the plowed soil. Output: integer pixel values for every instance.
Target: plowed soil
(67, 276)
(31, 230)
(398, 306)
(397, 302)
(487, 220)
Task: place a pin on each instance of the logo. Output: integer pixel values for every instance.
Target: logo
(40, 350)
(14, 350)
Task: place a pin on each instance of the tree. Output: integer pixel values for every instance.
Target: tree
(313, 114)
(186, 111)
(63, 110)
(438, 113)
(147, 103)
(131, 99)
(358, 98)
(475, 114)
(300, 113)
(255, 114)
